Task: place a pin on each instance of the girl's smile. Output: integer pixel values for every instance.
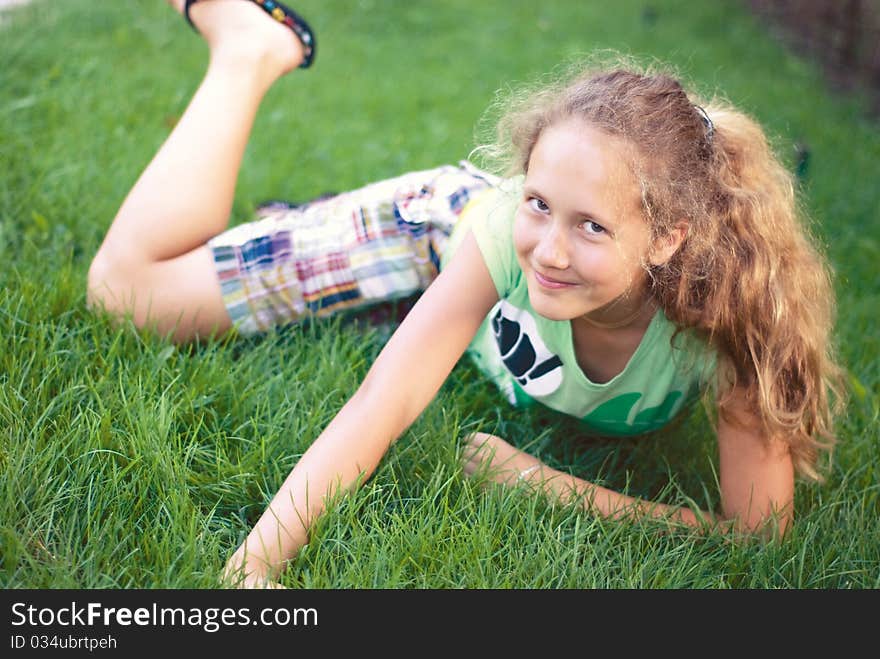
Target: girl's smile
(549, 282)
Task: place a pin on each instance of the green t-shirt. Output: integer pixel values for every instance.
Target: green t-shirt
(531, 358)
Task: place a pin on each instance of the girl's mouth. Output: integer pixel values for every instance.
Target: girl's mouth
(549, 282)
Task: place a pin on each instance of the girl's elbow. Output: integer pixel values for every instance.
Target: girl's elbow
(770, 525)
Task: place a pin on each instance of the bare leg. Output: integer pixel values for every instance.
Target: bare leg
(153, 262)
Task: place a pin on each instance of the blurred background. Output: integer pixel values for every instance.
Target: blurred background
(843, 36)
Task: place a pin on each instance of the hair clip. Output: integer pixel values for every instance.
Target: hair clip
(710, 127)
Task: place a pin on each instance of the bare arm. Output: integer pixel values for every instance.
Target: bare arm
(757, 474)
(757, 479)
(433, 335)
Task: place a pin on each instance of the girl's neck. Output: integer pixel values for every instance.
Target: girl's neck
(605, 342)
(624, 313)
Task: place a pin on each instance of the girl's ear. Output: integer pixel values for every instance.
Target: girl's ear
(664, 248)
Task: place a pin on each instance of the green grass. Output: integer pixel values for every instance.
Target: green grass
(127, 462)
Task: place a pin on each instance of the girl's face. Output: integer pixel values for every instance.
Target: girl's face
(579, 235)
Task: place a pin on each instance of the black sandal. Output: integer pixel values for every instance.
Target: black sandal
(282, 14)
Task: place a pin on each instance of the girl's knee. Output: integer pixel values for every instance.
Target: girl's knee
(111, 282)
(180, 296)
(101, 280)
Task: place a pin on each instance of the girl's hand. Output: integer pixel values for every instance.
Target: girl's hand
(490, 456)
(240, 575)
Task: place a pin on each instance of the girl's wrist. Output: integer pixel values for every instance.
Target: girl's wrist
(527, 472)
(534, 474)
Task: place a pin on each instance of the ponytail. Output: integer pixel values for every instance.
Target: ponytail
(763, 294)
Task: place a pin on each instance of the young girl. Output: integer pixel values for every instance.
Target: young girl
(643, 247)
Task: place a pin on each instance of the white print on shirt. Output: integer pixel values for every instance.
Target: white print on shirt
(536, 369)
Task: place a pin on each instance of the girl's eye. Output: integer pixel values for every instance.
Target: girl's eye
(592, 228)
(538, 205)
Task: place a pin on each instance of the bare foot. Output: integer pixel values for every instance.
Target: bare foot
(240, 32)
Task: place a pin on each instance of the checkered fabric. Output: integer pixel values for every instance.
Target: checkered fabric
(378, 243)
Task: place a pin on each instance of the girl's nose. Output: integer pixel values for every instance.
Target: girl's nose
(551, 251)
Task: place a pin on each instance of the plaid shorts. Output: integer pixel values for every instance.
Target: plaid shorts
(378, 243)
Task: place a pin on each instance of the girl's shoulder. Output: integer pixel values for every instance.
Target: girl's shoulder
(495, 205)
(489, 214)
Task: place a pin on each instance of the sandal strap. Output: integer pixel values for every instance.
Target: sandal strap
(283, 14)
(186, 6)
